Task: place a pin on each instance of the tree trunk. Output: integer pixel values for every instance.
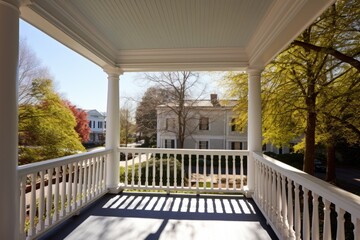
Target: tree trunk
(330, 170)
(309, 155)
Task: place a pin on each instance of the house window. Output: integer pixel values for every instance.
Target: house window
(203, 145)
(291, 148)
(89, 124)
(237, 146)
(100, 124)
(93, 124)
(170, 124)
(169, 143)
(204, 123)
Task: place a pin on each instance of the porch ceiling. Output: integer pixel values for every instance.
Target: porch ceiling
(163, 35)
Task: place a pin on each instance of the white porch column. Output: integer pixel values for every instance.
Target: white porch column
(9, 48)
(113, 129)
(254, 122)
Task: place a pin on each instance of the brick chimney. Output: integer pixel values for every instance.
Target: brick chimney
(214, 100)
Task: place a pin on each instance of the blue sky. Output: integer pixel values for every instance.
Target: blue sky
(76, 78)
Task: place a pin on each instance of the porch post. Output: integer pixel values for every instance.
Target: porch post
(254, 123)
(9, 48)
(113, 129)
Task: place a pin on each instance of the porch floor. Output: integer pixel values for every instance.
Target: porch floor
(136, 216)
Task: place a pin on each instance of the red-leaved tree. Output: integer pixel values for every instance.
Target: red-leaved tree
(82, 126)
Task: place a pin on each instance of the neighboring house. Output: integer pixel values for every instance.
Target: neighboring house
(97, 126)
(210, 126)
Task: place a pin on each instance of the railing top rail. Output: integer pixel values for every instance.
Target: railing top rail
(38, 166)
(184, 151)
(346, 200)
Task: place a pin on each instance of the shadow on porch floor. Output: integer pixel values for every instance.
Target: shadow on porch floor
(148, 216)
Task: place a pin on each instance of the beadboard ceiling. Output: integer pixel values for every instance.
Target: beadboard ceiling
(161, 35)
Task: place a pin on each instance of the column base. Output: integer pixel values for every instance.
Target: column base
(115, 190)
(248, 192)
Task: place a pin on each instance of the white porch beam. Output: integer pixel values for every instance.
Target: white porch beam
(9, 48)
(113, 129)
(254, 122)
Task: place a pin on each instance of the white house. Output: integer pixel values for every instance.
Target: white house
(97, 126)
(209, 126)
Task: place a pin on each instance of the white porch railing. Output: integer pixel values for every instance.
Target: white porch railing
(300, 206)
(54, 190)
(183, 169)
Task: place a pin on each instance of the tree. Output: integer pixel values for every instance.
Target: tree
(180, 87)
(82, 123)
(127, 127)
(46, 128)
(313, 93)
(29, 68)
(146, 119)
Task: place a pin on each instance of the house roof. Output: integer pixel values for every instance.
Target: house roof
(169, 35)
(204, 104)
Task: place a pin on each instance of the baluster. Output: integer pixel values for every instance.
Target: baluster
(22, 233)
(97, 168)
(63, 191)
(274, 196)
(139, 170)
(256, 192)
(284, 206)
(41, 201)
(56, 194)
(212, 171)
(32, 229)
(126, 170)
(49, 198)
(306, 220)
(327, 222)
(175, 170)
(242, 172)
(197, 173)
(90, 177)
(132, 169)
(182, 170)
(315, 217)
(266, 188)
(340, 223)
(356, 223)
(297, 213)
(290, 210)
(75, 185)
(86, 180)
(147, 170)
(69, 196)
(101, 182)
(227, 172)
(161, 171)
(279, 202)
(269, 190)
(93, 177)
(168, 172)
(81, 168)
(234, 173)
(104, 171)
(154, 163)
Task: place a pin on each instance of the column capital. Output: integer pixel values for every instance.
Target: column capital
(254, 71)
(113, 72)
